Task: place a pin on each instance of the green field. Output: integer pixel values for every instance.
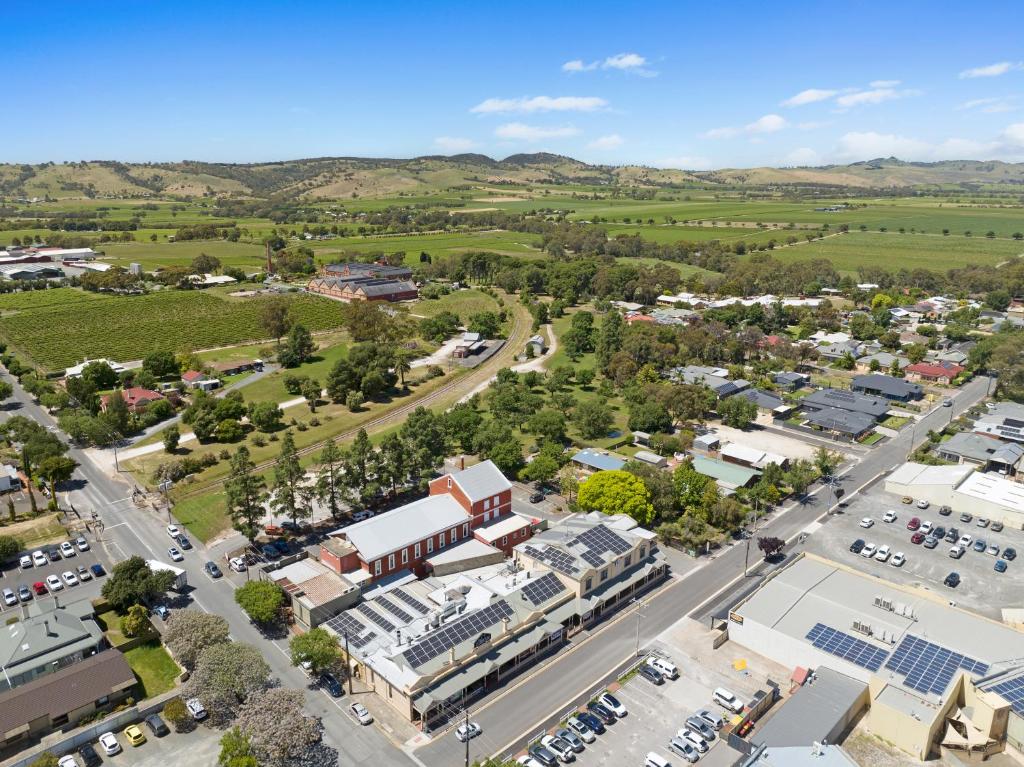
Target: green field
(464, 303)
(437, 245)
(73, 325)
(684, 269)
(153, 255)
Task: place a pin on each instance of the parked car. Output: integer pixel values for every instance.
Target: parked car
(926, 527)
(965, 540)
(965, 517)
(654, 759)
(53, 554)
(727, 700)
(913, 523)
(543, 756)
(581, 729)
(982, 522)
(69, 578)
(237, 564)
(947, 403)
(945, 511)
(527, 761)
(906, 499)
(996, 527)
(1000, 566)
(694, 738)
(698, 725)
(650, 673)
(67, 550)
(536, 497)
(931, 542)
(212, 570)
(269, 552)
(156, 725)
(81, 543)
(97, 570)
(992, 549)
(939, 532)
(89, 756)
(917, 538)
(952, 580)
(602, 713)
(952, 535)
(282, 546)
(711, 718)
(467, 731)
(109, 744)
(39, 559)
(922, 504)
(889, 516)
(868, 551)
(67, 761)
(174, 554)
(559, 748)
(980, 545)
(956, 551)
(857, 546)
(683, 748)
(595, 723)
(162, 612)
(40, 588)
(361, 714)
(25, 562)
(330, 683)
(173, 531)
(1009, 554)
(83, 573)
(184, 542)
(24, 593)
(571, 738)
(867, 522)
(664, 666)
(882, 555)
(53, 583)
(612, 703)
(898, 559)
(134, 735)
(10, 598)
(195, 708)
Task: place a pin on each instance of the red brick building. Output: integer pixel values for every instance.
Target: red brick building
(136, 398)
(942, 373)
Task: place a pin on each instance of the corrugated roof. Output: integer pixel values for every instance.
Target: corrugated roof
(597, 460)
(813, 712)
(404, 526)
(729, 473)
(481, 481)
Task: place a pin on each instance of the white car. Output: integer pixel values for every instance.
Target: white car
(868, 551)
(926, 528)
(69, 578)
(559, 748)
(109, 744)
(890, 516)
(528, 761)
(39, 559)
(898, 559)
(10, 598)
(956, 551)
(67, 761)
(25, 563)
(67, 550)
(468, 731)
(693, 737)
(583, 732)
(195, 707)
(923, 504)
(237, 564)
(867, 522)
(173, 531)
(612, 703)
(965, 541)
(53, 582)
(361, 714)
(882, 555)
(81, 543)
(174, 554)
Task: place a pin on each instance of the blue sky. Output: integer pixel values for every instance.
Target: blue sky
(673, 84)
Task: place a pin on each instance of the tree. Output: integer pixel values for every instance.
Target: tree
(56, 469)
(132, 582)
(9, 547)
(737, 411)
(329, 488)
(244, 494)
(317, 647)
(160, 364)
(235, 749)
(770, 546)
(826, 461)
(649, 416)
(116, 412)
(547, 424)
(189, 632)
(487, 324)
(617, 492)
(178, 716)
(593, 418)
(274, 317)
(45, 759)
(172, 435)
(289, 497)
(6, 390)
(277, 727)
(204, 264)
(229, 430)
(403, 363)
(298, 347)
(134, 623)
(261, 600)
(225, 675)
(461, 423)
(265, 416)
(799, 477)
(366, 321)
(311, 391)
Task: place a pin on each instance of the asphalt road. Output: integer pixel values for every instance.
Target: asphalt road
(130, 530)
(520, 711)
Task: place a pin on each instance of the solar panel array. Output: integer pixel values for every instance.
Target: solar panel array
(1013, 691)
(541, 590)
(340, 624)
(845, 646)
(929, 667)
(394, 609)
(411, 601)
(600, 539)
(592, 559)
(556, 558)
(456, 632)
(375, 617)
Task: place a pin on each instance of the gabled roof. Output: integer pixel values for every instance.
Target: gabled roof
(404, 526)
(598, 460)
(895, 387)
(938, 370)
(481, 481)
(839, 420)
(848, 400)
(727, 473)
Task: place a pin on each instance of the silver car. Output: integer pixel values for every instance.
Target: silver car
(584, 733)
(701, 727)
(684, 749)
(571, 738)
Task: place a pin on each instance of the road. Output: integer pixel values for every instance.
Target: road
(130, 530)
(525, 708)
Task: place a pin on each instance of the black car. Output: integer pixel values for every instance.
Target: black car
(952, 580)
(591, 721)
(945, 511)
(330, 683)
(156, 725)
(996, 527)
(212, 569)
(184, 543)
(543, 756)
(650, 674)
(89, 756)
(536, 497)
(1009, 554)
(952, 535)
(53, 554)
(282, 546)
(939, 532)
(605, 715)
(268, 551)
(857, 546)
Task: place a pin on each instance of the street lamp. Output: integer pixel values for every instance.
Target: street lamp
(639, 614)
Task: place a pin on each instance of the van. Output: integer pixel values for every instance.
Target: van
(360, 516)
(666, 667)
(727, 700)
(656, 760)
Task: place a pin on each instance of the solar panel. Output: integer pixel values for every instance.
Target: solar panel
(592, 559)
(928, 667)
(375, 617)
(345, 623)
(600, 539)
(1012, 691)
(542, 589)
(411, 601)
(394, 609)
(847, 647)
(458, 631)
(556, 558)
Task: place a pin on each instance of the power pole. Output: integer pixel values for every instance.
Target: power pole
(348, 664)
(467, 736)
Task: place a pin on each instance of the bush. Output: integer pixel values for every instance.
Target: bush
(178, 716)
(9, 546)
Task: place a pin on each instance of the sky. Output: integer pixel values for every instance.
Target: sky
(682, 84)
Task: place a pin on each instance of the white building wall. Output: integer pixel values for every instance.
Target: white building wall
(941, 495)
(982, 508)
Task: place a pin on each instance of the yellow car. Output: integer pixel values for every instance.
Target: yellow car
(135, 735)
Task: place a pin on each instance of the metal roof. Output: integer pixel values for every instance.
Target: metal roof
(847, 400)
(597, 460)
(894, 387)
(481, 481)
(842, 421)
(729, 473)
(404, 526)
(813, 712)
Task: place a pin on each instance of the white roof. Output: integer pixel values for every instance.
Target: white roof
(62, 252)
(6, 470)
(994, 489)
(481, 481)
(752, 455)
(920, 474)
(504, 526)
(648, 457)
(76, 370)
(404, 526)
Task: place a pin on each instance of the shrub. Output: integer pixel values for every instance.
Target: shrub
(178, 716)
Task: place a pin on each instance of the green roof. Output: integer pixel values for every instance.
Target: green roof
(729, 473)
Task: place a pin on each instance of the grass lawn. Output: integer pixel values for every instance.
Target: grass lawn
(895, 422)
(154, 255)
(45, 528)
(464, 303)
(110, 622)
(684, 269)
(437, 245)
(154, 668)
(872, 438)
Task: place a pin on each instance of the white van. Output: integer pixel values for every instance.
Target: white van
(359, 516)
(663, 666)
(727, 700)
(656, 760)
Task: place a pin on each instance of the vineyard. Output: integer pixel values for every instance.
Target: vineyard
(57, 328)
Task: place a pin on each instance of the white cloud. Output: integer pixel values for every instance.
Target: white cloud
(686, 162)
(803, 156)
(866, 145)
(611, 141)
(577, 65)
(884, 83)
(993, 105)
(1014, 135)
(874, 96)
(623, 62)
(454, 144)
(766, 124)
(809, 96)
(725, 132)
(992, 70)
(523, 132)
(528, 104)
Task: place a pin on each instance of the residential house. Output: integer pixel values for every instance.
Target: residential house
(751, 457)
(824, 337)
(990, 453)
(673, 316)
(136, 398)
(1004, 420)
(714, 378)
(589, 460)
(884, 360)
(941, 372)
(634, 317)
(842, 424)
(210, 280)
(767, 401)
(55, 636)
(790, 381)
(627, 306)
(907, 338)
(196, 379)
(876, 407)
(76, 370)
(887, 387)
(234, 367)
(840, 349)
(728, 476)
(9, 478)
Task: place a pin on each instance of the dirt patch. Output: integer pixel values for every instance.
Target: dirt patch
(866, 748)
(32, 532)
(506, 198)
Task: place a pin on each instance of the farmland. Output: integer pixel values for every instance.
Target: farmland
(69, 325)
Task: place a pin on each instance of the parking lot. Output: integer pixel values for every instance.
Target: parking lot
(14, 576)
(981, 587)
(200, 746)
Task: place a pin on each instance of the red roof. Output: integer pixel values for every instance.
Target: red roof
(935, 371)
(191, 376)
(630, 319)
(136, 396)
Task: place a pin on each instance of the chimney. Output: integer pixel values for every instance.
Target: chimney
(56, 602)
(462, 463)
(270, 263)
(504, 625)
(451, 655)
(46, 626)
(398, 637)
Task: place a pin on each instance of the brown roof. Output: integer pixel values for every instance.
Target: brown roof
(65, 691)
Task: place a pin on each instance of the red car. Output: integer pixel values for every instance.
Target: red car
(40, 588)
(917, 537)
(914, 523)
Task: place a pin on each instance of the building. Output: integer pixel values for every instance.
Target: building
(9, 478)
(67, 254)
(364, 289)
(790, 381)
(886, 387)
(235, 367)
(196, 379)
(59, 701)
(1004, 420)
(921, 658)
(934, 372)
(362, 271)
(991, 454)
(714, 378)
(209, 280)
(23, 272)
(768, 401)
(403, 539)
(47, 639)
(315, 591)
(588, 460)
(468, 345)
(822, 710)
(76, 370)
(728, 476)
(651, 459)
(536, 345)
(673, 316)
(842, 424)
(751, 457)
(963, 489)
(876, 407)
(136, 398)
(885, 361)
(841, 349)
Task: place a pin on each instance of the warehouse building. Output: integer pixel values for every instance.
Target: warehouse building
(963, 489)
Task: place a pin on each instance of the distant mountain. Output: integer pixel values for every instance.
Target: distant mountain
(348, 177)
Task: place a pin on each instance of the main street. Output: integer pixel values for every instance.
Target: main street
(522, 709)
(129, 530)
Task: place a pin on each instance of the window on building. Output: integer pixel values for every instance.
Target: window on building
(642, 552)
(589, 585)
(453, 535)
(496, 500)
(416, 551)
(376, 567)
(449, 482)
(391, 561)
(604, 575)
(487, 516)
(430, 545)
(465, 530)
(441, 541)
(487, 503)
(504, 540)
(627, 560)
(405, 556)
(59, 721)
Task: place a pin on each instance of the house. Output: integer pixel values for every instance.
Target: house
(990, 453)
(941, 373)
(876, 407)
(690, 299)
(363, 288)
(908, 337)
(651, 459)
(627, 306)
(751, 457)
(728, 476)
(55, 636)
(843, 424)
(887, 387)
(824, 338)
(362, 271)
(1004, 420)
(76, 370)
(136, 398)
(471, 343)
(9, 478)
(884, 360)
(62, 699)
(790, 381)
(196, 379)
(234, 367)
(673, 316)
(840, 349)
(765, 400)
(634, 317)
(536, 345)
(707, 442)
(712, 377)
(589, 460)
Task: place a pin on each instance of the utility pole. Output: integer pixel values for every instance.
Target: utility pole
(467, 736)
(639, 614)
(348, 663)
